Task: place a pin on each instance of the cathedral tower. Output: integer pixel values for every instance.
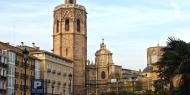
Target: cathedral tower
(70, 39)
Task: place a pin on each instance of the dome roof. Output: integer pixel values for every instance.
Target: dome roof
(148, 69)
(103, 50)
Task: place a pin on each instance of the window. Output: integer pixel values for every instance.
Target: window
(66, 51)
(57, 25)
(67, 25)
(103, 75)
(78, 25)
(70, 1)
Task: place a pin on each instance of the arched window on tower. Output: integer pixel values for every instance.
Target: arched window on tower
(66, 51)
(103, 75)
(71, 1)
(57, 26)
(67, 25)
(78, 25)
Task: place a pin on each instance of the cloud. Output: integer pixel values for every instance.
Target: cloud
(177, 8)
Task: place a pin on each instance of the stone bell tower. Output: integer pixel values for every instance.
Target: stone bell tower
(70, 39)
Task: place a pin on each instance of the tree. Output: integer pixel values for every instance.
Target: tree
(175, 61)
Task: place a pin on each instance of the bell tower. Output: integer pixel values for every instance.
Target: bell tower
(70, 39)
(70, 1)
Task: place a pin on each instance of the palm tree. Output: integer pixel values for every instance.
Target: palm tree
(175, 61)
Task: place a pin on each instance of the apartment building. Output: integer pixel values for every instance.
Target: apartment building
(55, 70)
(14, 73)
(3, 72)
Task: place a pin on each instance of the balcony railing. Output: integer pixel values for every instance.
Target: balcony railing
(32, 77)
(22, 87)
(16, 74)
(3, 65)
(32, 67)
(3, 77)
(17, 63)
(53, 71)
(59, 73)
(53, 82)
(16, 86)
(48, 81)
(27, 65)
(58, 83)
(23, 65)
(48, 70)
(23, 76)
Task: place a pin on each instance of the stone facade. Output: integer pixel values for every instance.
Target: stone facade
(3, 72)
(153, 56)
(100, 74)
(55, 71)
(70, 39)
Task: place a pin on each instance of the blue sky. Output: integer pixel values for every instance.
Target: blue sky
(129, 27)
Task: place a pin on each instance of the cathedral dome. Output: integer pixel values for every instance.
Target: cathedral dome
(103, 50)
(148, 69)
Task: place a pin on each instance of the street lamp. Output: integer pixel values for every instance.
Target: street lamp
(117, 86)
(52, 88)
(70, 78)
(25, 57)
(134, 84)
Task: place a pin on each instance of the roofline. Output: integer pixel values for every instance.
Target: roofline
(47, 52)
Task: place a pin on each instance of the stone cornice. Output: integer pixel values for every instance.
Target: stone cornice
(69, 6)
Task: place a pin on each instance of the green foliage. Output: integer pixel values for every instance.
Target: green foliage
(120, 93)
(149, 92)
(112, 93)
(174, 61)
(159, 89)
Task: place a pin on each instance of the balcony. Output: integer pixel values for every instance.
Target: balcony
(16, 74)
(27, 76)
(3, 65)
(64, 74)
(59, 73)
(22, 76)
(53, 82)
(48, 81)
(3, 77)
(32, 67)
(53, 71)
(27, 87)
(27, 65)
(64, 84)
(17, 63)
(23, 65)
(49, 70)
(32, 77)
(3, 90)
(16, 86)
(21, 87)
(58, 83)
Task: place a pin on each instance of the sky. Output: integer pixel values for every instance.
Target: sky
(128, 27)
